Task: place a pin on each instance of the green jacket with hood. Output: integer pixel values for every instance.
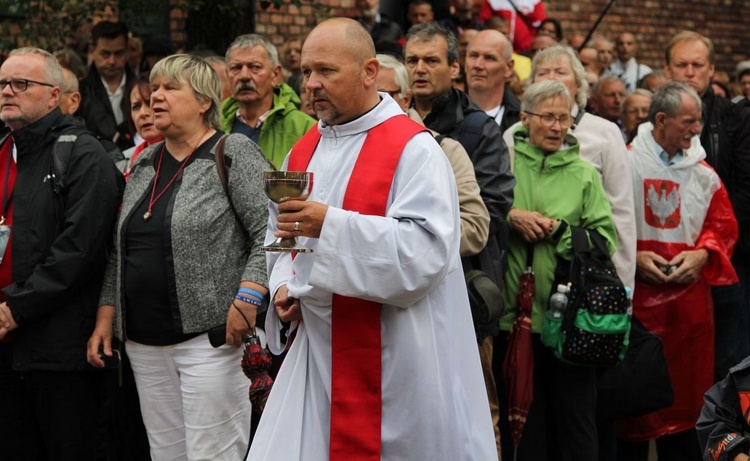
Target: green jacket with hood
(283, 126)
(560, 186)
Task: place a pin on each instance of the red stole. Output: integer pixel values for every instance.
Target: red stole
(8, 181)
(356, 403)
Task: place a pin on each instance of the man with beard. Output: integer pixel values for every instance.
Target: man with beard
(103, 88)
(263, 107)
(56, 229)
(380, 312)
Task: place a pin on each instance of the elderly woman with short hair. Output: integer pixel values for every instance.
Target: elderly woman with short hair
(554, 190)
(601, 144)
(181, 267)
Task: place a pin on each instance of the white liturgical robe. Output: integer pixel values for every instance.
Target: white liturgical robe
(433, 394)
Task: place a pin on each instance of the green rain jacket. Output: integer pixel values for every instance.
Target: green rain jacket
(283, 126)
(560, 186)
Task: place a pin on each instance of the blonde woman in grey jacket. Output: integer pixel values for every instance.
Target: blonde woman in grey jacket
(180, 267)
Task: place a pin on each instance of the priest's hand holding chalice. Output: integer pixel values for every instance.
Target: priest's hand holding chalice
(297, 217)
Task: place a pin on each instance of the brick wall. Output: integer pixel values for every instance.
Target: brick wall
(653, 22)
(291, 21)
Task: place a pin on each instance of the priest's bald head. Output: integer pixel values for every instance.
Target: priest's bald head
(340, 70)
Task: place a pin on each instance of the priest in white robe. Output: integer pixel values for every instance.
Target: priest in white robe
(406, 262)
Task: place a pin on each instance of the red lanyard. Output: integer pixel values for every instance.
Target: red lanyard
(153, 199)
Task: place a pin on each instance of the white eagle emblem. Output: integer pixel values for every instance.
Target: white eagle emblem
(663, 204)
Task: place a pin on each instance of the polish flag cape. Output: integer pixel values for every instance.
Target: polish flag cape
(523, 19)
(680, 207)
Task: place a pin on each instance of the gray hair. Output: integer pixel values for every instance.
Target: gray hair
(556, 53)
(202, 78)
(251, 41)
(637, 92)
(539, 92)
(596, 91)
(51, 66)
(402, 78)
(70, 82)
(427, 31)
(668, 99)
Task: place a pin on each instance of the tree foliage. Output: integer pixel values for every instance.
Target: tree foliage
(52, 24)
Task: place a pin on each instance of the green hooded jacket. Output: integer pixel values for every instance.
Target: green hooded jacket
(283, 126)
(560, 186)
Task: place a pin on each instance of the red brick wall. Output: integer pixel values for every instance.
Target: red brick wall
(653, 22)
(290, 21)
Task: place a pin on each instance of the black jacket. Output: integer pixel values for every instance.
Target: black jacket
(725, 417)
(726, 139)
(59, 244)
(484, 143)
(512, 114)
(385, 31)
(96, 111)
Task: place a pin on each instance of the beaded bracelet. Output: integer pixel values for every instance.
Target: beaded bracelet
(250, 292)
(252, 301)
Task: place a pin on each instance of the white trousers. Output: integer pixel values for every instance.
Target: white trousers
(194, 400)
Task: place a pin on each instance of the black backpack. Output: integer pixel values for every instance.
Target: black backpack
(595, 328)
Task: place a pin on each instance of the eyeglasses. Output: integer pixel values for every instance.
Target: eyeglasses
(21, 84)
(548, 120)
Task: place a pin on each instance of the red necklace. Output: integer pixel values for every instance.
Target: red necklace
(152, 199)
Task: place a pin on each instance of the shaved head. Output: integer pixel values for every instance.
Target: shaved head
(496, 39)
(348, 34)
(340, 70)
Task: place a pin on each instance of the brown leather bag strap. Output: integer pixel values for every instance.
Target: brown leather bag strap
(221, 168)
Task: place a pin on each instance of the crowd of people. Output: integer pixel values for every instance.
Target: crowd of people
(134, 213)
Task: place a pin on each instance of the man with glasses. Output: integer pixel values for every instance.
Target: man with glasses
(55, 223)
(263, 107)
(475, 221)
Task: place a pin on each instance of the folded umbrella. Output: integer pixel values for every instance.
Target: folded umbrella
(518, 363)
(256, 362)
